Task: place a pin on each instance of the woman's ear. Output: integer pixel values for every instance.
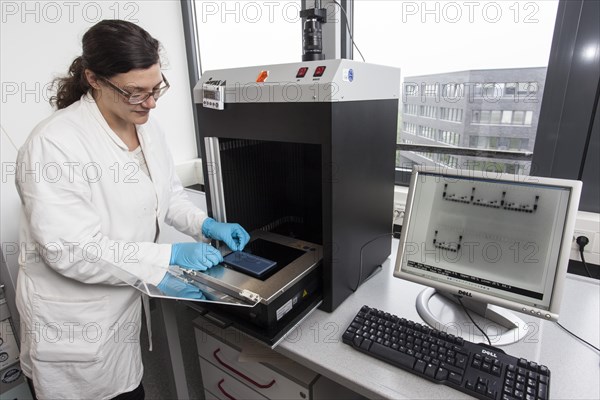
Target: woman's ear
(91, 78)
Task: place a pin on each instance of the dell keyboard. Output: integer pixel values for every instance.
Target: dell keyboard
(479, 370)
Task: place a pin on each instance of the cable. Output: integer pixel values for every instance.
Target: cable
(348, 28)
(360, 268)
(582, 241)
(472, 320)
(574, 335)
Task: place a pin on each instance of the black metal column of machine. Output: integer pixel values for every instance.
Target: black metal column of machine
(305, 152)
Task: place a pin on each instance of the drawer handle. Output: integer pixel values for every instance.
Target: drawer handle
(241, 374)
(230, 397)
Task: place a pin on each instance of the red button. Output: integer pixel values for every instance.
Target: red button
(319, 71)
(302, 72)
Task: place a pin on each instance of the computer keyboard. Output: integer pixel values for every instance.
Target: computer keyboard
(479, 370)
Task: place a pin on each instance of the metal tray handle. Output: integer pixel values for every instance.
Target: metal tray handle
(240, 374)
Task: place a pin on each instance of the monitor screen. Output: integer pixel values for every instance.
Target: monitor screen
(496, 238)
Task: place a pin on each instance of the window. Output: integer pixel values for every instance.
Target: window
(410, 109)
(423, 38)
(495, 117)
(410, 128)
(428, 111)
(488, 92)
(502, 117)
(451, 114)
(233, 34)
(427, 132)
(451, 138)
(519, 117)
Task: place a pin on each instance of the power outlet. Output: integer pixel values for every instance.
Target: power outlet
(591, 237)
(398, 214)
(588, 225)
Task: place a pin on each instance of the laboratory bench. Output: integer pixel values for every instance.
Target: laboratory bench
(312, 359)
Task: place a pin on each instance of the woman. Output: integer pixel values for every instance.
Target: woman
(91, 220)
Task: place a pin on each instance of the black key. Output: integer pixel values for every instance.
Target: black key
(394, 356)
(430, 370)
(420, 366)
(441, 374)
(357, 340)
(542, 391)
(469, 385)
(532, 375)
(496, 371)
(366, 344)
(533, 366)
(451, 368)
(455, 378)
(530, 391)
(356, 325)
(461, 361)
(349, 336)
(480, 388)
(491, 393)
(486, 367)
(544, 370)
(522, 362)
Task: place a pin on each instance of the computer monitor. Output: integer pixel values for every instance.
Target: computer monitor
(491, 240)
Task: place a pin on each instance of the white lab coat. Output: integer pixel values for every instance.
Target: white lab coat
(88, 209)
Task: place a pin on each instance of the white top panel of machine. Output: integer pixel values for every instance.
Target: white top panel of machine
(310, 81)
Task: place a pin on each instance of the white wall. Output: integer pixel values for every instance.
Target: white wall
(39, 40)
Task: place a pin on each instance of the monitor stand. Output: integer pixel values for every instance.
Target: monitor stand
(445, 313)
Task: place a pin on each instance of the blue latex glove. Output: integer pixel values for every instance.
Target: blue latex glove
(175, 287)
(233, 235)
(196, 256)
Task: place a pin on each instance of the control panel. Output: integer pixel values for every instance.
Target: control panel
(213, 94)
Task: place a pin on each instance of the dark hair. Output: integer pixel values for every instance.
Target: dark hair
(110, 47)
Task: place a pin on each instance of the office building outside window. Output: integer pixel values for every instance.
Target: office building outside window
(475, 70)
(492, 119)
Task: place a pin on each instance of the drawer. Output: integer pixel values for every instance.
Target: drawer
(264, 380)
(223, 386)
(209, 396)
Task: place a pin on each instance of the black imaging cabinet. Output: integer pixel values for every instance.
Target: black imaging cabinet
(309, 162)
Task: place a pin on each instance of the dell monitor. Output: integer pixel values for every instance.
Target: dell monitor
(496, 242)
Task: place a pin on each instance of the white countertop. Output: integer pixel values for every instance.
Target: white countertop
(575, 367)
